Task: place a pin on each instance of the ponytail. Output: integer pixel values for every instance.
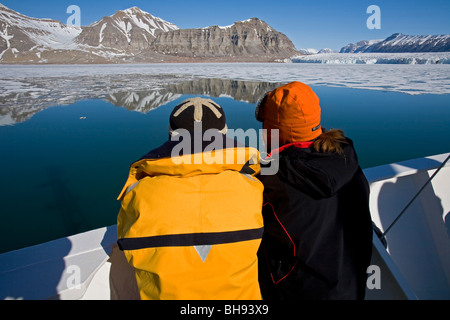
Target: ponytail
(330, 142)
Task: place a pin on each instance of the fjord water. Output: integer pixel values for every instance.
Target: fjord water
(63, 169)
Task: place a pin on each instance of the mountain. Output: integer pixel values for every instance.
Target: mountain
(312, 51)
(360, 46)
(249, 38)
(135, 36)
(131, 29)
(20, 34)
(405, 43)
(399, 42)
(308, 51)
(326, 50)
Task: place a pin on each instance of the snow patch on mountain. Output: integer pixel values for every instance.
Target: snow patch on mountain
(144, 20)
(4, 35)
(101, 31)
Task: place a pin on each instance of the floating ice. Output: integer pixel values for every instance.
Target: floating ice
(32, 88)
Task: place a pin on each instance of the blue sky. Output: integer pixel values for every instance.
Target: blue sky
(309, 24)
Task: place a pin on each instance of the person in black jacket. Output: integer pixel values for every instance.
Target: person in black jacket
(317, 242)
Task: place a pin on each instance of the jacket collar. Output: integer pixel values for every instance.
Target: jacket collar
(302, 145)
(317, 174)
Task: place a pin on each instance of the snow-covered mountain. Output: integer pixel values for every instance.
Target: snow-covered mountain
(311, 51)
(22, 34)
(131, 29)
(399, 42)
(406, 43)
(308, 51)
(396, 49)
(326, 50)
(360, 46)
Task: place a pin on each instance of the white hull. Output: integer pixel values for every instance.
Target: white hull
(416, 264)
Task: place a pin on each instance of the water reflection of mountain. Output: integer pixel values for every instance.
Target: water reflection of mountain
(250, 91)
(147, 100)
(35, 97)
(142, 101)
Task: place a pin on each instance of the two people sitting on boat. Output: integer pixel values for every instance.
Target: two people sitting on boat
(199, 223)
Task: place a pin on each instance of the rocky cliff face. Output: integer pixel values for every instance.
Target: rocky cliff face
(250, 38)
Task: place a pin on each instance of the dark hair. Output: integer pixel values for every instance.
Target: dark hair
(330, 141)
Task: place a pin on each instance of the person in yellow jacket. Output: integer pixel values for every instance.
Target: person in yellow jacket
(190, 221)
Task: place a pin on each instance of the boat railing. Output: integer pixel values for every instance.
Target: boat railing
(410, 204)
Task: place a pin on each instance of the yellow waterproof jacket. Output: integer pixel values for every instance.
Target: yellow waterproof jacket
(192, 229)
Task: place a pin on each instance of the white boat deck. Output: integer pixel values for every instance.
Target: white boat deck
(416, 264)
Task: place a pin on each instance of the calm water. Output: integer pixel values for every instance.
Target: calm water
(61, 174)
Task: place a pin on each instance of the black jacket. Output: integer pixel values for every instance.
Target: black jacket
(317, 241)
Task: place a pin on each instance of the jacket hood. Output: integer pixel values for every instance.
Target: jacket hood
(173, 160)
(178, 159)
(321, 175)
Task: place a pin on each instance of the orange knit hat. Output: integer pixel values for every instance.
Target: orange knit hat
(293, 109)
